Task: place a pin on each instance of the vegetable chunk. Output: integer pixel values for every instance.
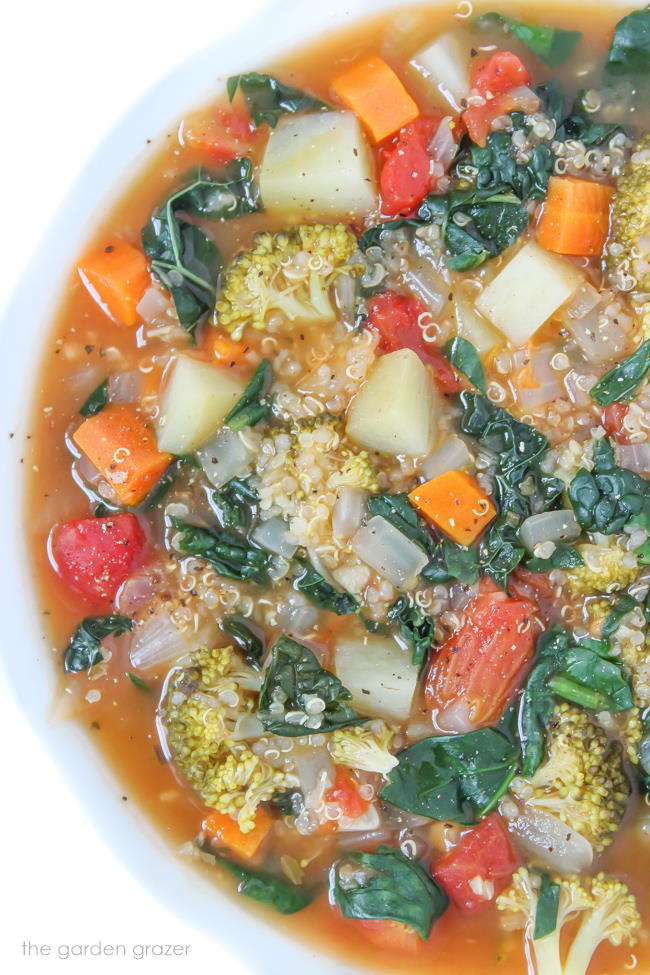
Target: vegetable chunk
(576, 217)
(374, 92)
(444, 65)
(96, 555)
(479, 868)
(379, 674)
(117, 276)
(226, 831)
(455, 504)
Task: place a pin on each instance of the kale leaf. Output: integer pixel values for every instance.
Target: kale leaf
(322, 593)
(415, 626)
(96, 401)
(253, 404)
(400, 513)
(564, 557)
(248, 642)
(614, 618)
(553, 45)
(620, 383)
(236, 503)
(630, 48)
(230, 553)
(498, 166)
(84, 649)
(465, 358)
(607, 498)
(267, 99)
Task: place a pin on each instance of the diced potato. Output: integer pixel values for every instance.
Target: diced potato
(395, 411)
(196, 400)
(379, 674)
(318, 165)
(444, 66)
(527, 291)
(473, 327)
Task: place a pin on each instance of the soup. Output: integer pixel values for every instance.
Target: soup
(338, 498)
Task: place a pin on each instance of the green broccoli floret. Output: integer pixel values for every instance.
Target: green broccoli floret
(606, 569)
(582, 781)
(364, 747)
(289, 273)
(205, 706)
(605, 906)
(630, 221)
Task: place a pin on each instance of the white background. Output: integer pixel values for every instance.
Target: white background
(68, 70)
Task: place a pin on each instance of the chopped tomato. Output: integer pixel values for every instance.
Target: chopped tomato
(613, 419)
(405, 177)
(475, 672)
(538, 588)
(479, 868)
(95, 556)
(398, 319)
(345, 793)
(223, 134)
(392, 935)
(499, 74)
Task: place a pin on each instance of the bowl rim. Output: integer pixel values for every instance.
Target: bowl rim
(275, 29)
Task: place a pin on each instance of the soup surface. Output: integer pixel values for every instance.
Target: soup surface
(337, 490)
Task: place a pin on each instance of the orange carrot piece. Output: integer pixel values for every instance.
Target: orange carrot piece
(226, 831)
(575, 220)
(374, 92)
(117, 276)
(123, 447)
(225, 351)
(455, 504)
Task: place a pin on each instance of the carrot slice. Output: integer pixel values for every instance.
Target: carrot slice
(575, 220)
(117, 276)
(225, 351)
(374, 92)
(123, 447)
(226, 831)
(455, 504)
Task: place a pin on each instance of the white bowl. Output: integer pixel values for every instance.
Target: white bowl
(277, 28)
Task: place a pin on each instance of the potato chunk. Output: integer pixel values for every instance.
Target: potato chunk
(379, 674)
(194, 404)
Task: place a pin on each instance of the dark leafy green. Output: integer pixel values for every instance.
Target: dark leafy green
(268, 888)
(499, 168)
(236, 503)
(254, 404)
(415, 626)
(630, 49)
(584, 124)
(267, 99)
(400, 513)
(553, 45)
(452, 561)
(386, 885)
(231, 554)
(620, 383)
(548, 902)
(96, 401)
(166, 482)
(538, 701)
(614, 618)
(372, 237)
(292, 677)
(290, 802)
(465, 358)
(84, 649)
(248, 642)
(564, 557)
(607, 498)
(138, 682)
(455, 777)
(321, 592)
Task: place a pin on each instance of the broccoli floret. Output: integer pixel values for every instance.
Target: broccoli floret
(606, 569)
(289, 273)
(206, 703)
(630, 220)
(357, 471)
(582, 781)
(366, 748)
(606, 908)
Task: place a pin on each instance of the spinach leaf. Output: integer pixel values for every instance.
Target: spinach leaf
(290, 802)
(615, 616)
(552, 45)
(268, 888)
(538, 701)
(455, 777)
(620, 383)
(248, 643)
(609, 497)
(386, 885)
(166, 482)
(236, 503)
(267, 99)
(138, 682)
(548, 902)
(464, 357)
(630, 48)
(292, 679)
(452, 561)
(591, 679)
(316, 588)
(400, 513)
(564, 557)
(253, 405)
(500, 169)
(231, 554)
(226, 195)
(84, 649)
(516, 445)
(96, 401)
(415, 626)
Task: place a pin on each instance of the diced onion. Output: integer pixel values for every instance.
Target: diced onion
(154, 306)
(225, 457)
(584, 300)
(550, 841)
(348, 510)
(345, 295)
(274, 536)
(125, 387)
(456, 718)
(393, 555)
(635, 456)
(598, 337)
(428, 284)
(159, 641)
(452, 455)
(548, 381)
(368, 821)
(296, 614)
(550, 526)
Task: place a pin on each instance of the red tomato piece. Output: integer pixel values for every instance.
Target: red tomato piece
(345, 793)
(396, 318)
(405, 177)
(499, 74)
(479, 868)
(613, 417)
(94, 556)
(223, 135)
(392, 935)
(475, 672)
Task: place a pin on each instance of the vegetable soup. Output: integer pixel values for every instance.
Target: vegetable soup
(338, 490)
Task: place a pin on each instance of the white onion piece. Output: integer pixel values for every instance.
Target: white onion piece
(125, 387)
(154, 306)
(345, 295)
(371, 838)
(296, 614)
(452, 455)
(548, 381)
(369, 820)
(158, 641)
(274, 536)
(635, 456)
(443, 147)
(523, 99)
(599, 338)
(428, 284)
(550, 526)
(393, 555)
(456, 719)
(315, 772)
(584, 300)
(136, 592)
(578, 386)
(246, 727)
(225, 457)
(348, 510)
(550, 841)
